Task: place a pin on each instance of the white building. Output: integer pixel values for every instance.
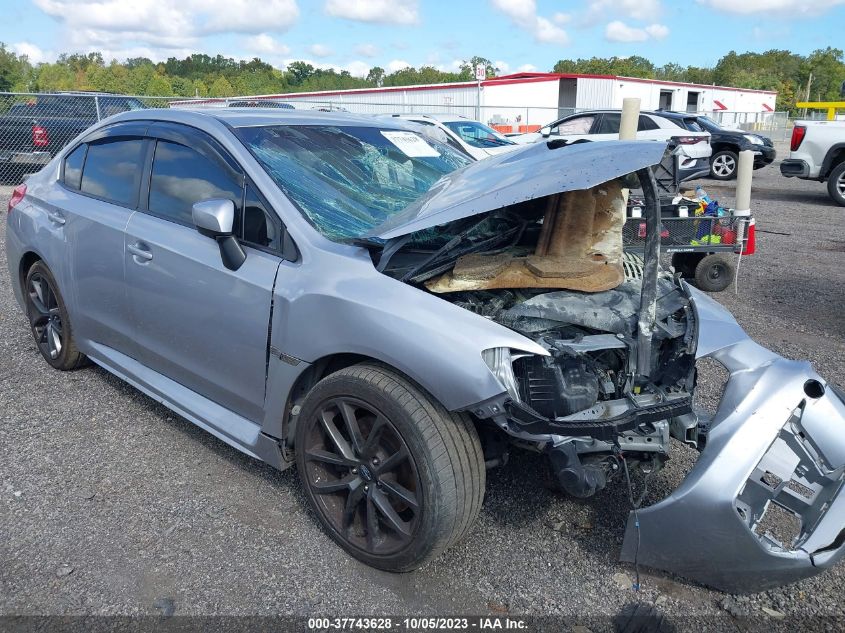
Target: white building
(524, 101)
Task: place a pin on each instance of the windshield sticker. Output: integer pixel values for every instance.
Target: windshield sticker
(410, 144)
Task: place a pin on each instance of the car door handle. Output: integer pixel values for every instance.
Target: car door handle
(140, 250)
(56, 218)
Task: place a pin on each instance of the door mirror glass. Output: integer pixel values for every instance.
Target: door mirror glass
(215, 217)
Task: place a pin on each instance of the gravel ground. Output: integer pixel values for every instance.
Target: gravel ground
(110, 504)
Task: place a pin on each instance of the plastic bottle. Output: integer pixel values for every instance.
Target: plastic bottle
(702, 195)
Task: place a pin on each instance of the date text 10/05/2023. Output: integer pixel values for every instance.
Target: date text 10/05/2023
(481, 623)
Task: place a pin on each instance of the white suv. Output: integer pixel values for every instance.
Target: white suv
(603, 125)
(471, 137)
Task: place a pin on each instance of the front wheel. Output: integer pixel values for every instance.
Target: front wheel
(836, 184)
(723, 165)
(394, 477)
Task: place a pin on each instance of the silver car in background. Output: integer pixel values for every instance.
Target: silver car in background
(348, 295)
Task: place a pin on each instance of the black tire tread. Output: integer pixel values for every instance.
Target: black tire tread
(453, 445)
(73, 358)
(831, 184)
(701, 279)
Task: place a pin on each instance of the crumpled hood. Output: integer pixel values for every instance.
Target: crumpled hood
(534, 171)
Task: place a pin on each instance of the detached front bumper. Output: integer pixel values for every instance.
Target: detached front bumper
(775, 445)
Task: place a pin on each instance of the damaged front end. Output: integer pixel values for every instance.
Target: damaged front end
(774, 447)
(617, 380)
(619, 367)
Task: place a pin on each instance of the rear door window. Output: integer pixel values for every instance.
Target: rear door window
(73, 167)
(646, 124)
(113, 171)
(182, 176)
(609, 123)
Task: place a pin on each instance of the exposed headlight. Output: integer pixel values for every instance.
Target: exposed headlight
(754, 140)
(500, 362)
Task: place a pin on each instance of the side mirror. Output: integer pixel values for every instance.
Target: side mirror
(546, 131)
(216, 219)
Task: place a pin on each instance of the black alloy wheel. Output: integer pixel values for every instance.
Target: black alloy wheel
(393, 476)
(363, 476)
(48, 319)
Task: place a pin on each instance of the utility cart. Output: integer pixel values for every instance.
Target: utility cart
(706, 249)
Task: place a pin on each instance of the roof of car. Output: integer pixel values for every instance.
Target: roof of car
(443, 118)
(249, 117)
(672, 114)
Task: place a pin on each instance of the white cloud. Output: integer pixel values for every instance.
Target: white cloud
(265, 44)
(380, 11)
(549, 33)
(367, 50)
(162, 25)
(561, 18)
(523, 13)
(452, 67)
(33, 52)
(786, 7)
(618, 31)
(598, 10)
(358, 68)
(527, 68)
(503, 67)
(320, 50)
(397, 64)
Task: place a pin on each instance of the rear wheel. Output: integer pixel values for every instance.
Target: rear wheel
(685, 263)
(836, 184)
(393, 477)
(714, 273)
(49, 320)
(723, 165)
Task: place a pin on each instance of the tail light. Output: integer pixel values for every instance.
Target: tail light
(750, 238)
(798, 134)
(40, 138)
(690, 140)
(17, 195)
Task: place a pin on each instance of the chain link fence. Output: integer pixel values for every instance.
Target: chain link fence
(35, 126)
(776, 125)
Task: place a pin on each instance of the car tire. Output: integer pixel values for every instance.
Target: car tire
(49, 320)
(724, 164)
(714, 273)
(836, 184)
(392, 513)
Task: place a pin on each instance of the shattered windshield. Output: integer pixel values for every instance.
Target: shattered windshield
(348, 179)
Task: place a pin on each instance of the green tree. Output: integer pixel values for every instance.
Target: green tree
(376, 75)
(299, 72)
(220, 87)
(467, 68)
(15, 71)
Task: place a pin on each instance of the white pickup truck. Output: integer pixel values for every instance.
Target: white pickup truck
(817, 152)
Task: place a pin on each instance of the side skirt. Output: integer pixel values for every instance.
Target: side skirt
(236, 431)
